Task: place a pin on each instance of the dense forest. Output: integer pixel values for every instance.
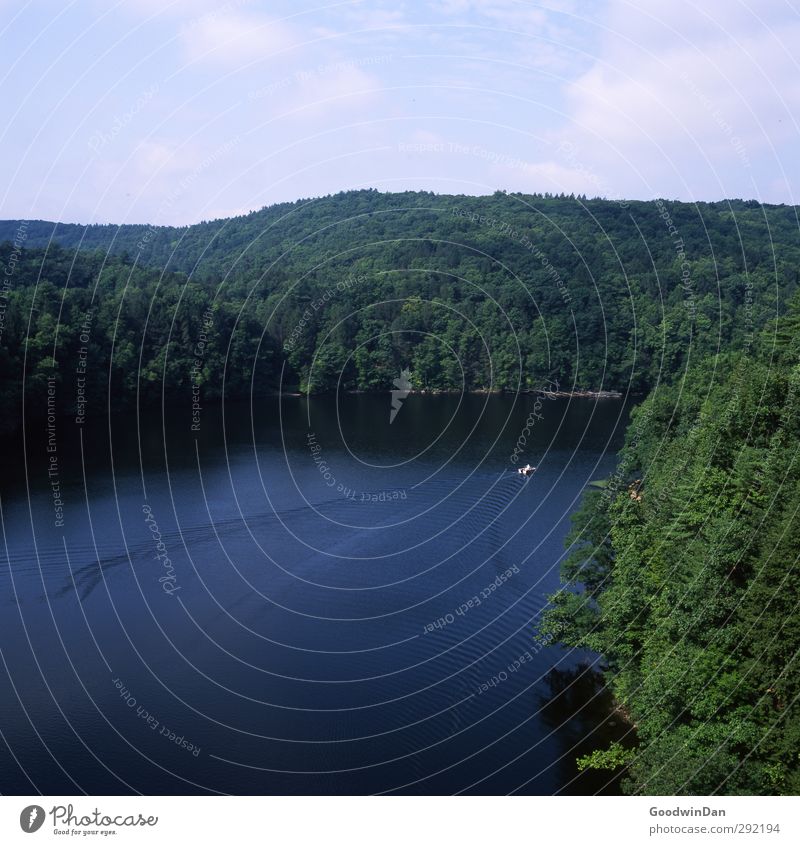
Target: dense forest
(682, 568)
(482, 293)
(683, 573)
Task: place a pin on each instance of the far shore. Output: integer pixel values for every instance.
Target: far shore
(569, 394)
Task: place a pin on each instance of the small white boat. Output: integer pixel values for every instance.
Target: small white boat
(526, 470)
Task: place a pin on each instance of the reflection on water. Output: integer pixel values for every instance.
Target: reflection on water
(580, 694)
(318, 597)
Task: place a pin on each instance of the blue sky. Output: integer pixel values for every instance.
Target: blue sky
(173, 112)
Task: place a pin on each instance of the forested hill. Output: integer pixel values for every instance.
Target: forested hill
(684, 571)
(494, 292)
(341, 224)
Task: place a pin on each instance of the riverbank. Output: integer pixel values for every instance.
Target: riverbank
(534, 391)
(35, 412)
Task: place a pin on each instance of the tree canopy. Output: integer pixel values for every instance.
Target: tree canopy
(496, 292)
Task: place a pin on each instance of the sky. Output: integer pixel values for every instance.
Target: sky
(176, 111)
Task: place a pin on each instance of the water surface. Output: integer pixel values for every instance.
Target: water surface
(339, 604)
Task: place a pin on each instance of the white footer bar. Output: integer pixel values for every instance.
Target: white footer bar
(396, 820)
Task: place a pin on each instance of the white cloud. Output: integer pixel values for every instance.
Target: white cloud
(683, 94)
(507, 12)
(371, 15)
(342, 87)
(321, 90)
(157, 156)
(550, 176)
(191, 9)
(233, 38)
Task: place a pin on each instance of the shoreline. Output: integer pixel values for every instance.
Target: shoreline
(296, 394)
(478, 391)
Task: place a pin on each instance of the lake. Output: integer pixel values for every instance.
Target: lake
(299, 597)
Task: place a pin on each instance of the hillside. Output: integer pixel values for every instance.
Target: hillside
(683, 572)
(495, 292)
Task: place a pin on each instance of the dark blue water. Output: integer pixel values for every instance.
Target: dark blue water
(339, 604)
